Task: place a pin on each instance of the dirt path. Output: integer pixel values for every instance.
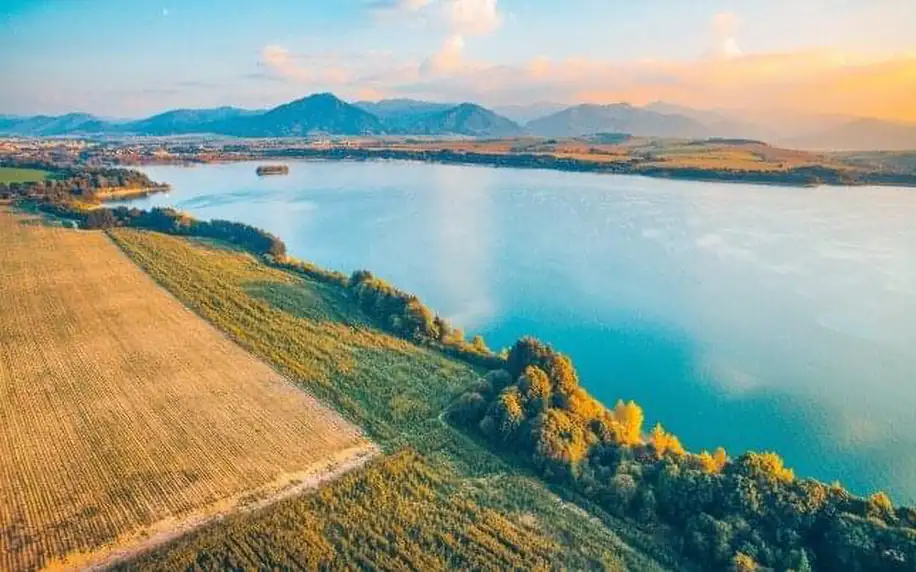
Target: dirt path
(166, 531)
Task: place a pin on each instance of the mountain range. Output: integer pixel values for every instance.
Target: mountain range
(326, 114)
(590, 119)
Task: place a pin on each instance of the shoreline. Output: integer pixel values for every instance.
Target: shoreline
(127, 193)
(797, 177)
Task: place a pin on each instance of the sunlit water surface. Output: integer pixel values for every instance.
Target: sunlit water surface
(738, 315)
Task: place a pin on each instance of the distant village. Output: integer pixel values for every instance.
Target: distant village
(153, 150)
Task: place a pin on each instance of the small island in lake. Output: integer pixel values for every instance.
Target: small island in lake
(264, 170)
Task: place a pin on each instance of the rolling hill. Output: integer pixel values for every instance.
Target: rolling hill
(523, 113)
(45, 125)
(414, 117)
(318, 113)
(718, 124)
(396, 108)
(587, 119)
(860, 135)
(464, 119)
(187, 121)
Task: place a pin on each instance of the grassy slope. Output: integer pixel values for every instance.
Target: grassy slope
(16, 175)
(437, 500)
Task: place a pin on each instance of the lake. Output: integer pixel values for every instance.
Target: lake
(752, 317)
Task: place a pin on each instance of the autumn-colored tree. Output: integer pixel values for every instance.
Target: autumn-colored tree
(506, 414)
(743, 563)
(713, 463)
(664, 442)
(880, 506)
(562, 373)
(479, 344)
(765, 467)
(629, 416)
(560, 442)
(536, 388)
(584, 407)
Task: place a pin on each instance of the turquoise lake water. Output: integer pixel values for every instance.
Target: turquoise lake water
(738, 315)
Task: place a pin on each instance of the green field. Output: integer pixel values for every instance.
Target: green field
(16, 175)
(437, 499)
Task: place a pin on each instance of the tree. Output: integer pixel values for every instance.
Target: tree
(480, 345)
(471, 408)
(763, 467)
(101, 218)
(527, 351)
(561, 372)
(880, 506)
(664, 442)
(713, 463)
(629, 417)
(535, 387)
(277, 248)
(497, 380)
(582, 406)
(623, 490)
(560, 443)
(442, 328)
(506, 415)
(743, 563)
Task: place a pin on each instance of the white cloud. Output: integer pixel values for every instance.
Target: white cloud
(477, 17)
(449, 58)
(725, 30)
(456, 19)
(465, 17)
(321, 71)
(278, 59)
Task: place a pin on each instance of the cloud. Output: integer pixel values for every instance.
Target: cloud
(725, 29)
(449, 58)
(278, 59)
(363, 75)
(475, 17)
(464, 17)
(394, 11)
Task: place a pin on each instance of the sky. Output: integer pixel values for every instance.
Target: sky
(118, 58)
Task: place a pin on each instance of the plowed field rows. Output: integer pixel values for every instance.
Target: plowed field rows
(122, 413)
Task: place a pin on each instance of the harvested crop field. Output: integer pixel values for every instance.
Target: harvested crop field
(124, 417)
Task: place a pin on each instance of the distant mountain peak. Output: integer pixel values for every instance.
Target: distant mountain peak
(590, 118)
(465, 119)
(316, 113)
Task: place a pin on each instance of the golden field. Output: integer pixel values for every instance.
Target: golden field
(644, 151)
(126, 419)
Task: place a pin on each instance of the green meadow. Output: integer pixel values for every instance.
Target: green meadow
(15, 175)
(436, 499)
